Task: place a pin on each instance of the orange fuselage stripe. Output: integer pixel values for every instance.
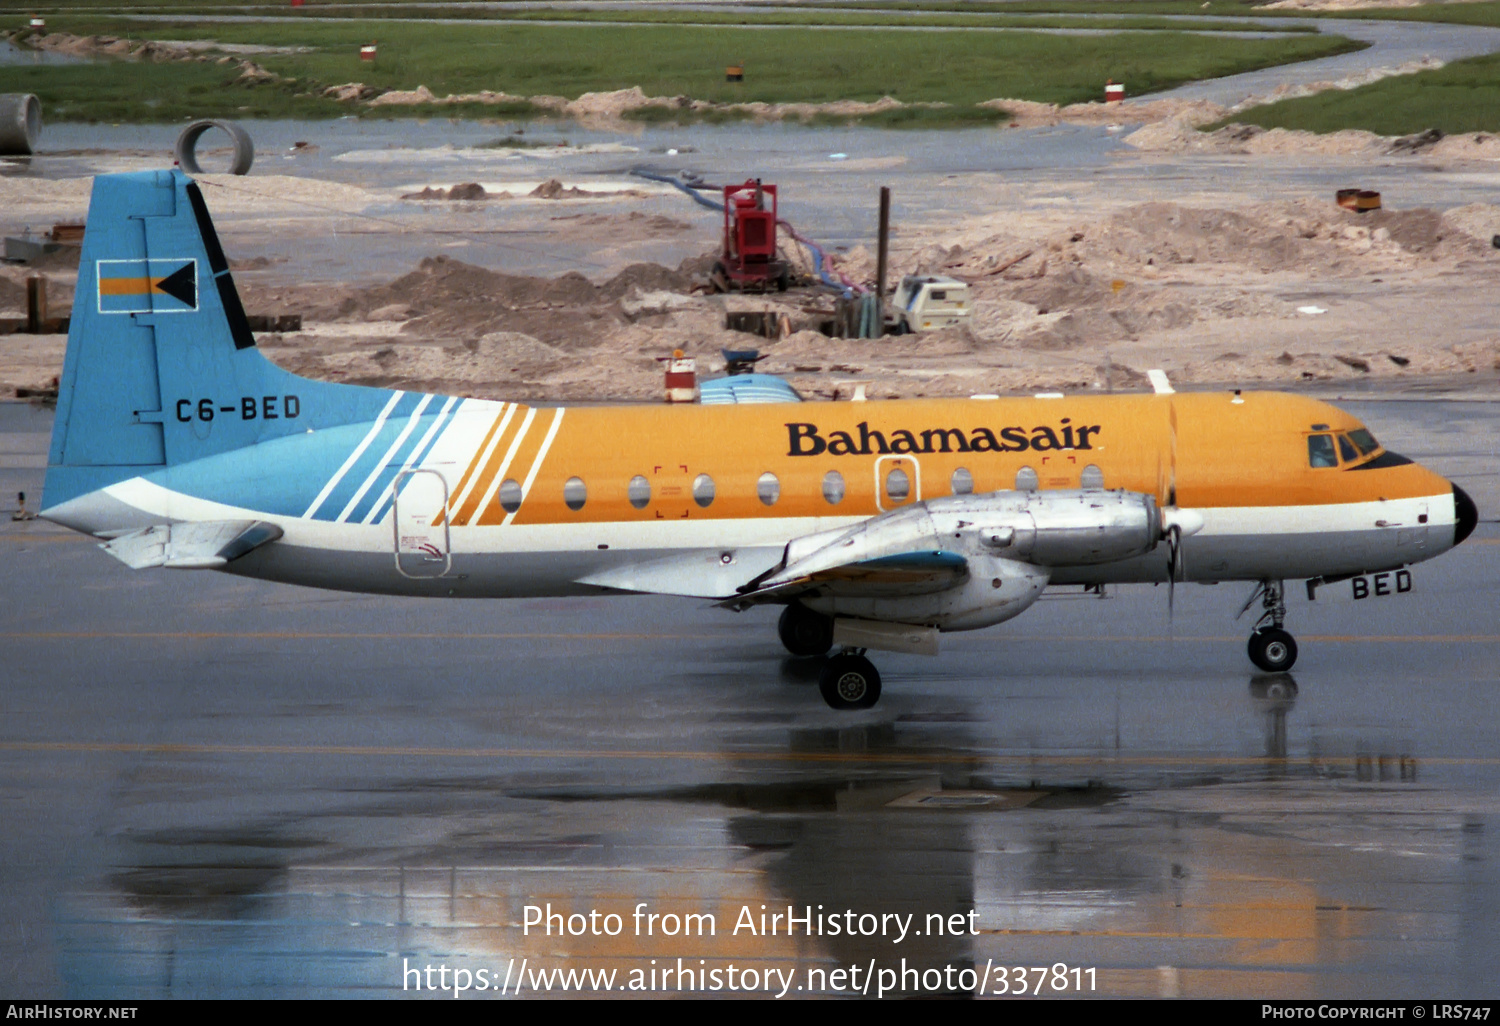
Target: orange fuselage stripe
(1222, 453)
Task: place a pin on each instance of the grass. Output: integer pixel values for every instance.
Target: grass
(782, 65)
(1460, 97)
(797, 16)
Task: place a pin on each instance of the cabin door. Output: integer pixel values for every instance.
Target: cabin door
(421, 522)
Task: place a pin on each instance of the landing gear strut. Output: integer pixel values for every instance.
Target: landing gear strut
(1271, 648)
(850, 681)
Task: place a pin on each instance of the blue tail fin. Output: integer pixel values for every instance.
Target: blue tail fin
(161, 367)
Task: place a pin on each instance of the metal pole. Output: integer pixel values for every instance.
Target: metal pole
(885, 231)
(36, 304)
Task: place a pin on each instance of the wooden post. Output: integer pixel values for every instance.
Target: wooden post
(885, 231)
(36, 304)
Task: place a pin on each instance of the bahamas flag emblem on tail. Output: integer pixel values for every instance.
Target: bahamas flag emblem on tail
(148, 286)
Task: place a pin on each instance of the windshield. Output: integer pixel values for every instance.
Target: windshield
(1363, 441)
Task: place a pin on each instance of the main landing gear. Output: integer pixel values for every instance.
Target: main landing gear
(803, 632)
(848, 680)
(1271, 648)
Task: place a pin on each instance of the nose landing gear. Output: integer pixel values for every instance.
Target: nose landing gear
(1271, 647)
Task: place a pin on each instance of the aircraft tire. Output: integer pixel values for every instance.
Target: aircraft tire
(850, 682)
(1273, 650)
(803, 632)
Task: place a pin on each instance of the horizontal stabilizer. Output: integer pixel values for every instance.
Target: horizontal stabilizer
(197, 546)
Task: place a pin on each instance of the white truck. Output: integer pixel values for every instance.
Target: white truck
(926, 301)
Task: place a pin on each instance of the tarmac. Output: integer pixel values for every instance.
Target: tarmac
(216, 787)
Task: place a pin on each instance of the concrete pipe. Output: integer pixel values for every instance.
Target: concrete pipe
(187, 145)
(20, 124)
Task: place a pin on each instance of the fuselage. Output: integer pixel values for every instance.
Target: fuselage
(461, 497)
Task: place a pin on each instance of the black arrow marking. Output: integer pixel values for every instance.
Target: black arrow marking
(181, 284)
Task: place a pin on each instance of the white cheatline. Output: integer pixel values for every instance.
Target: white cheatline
(380, 464)
(416, 450)
(537, 463)
(354, 456)
(456, 503)
(510, 454)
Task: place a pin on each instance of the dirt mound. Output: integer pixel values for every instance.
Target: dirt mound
(553, 188)
(1479, 221)
(446, 298)
(462, 191)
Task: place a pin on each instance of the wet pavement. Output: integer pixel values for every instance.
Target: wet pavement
(219, 787)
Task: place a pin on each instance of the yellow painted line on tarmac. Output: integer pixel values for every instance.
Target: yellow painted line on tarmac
(419, 751)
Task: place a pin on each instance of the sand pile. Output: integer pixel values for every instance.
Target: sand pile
(461, 191)
(447, 298)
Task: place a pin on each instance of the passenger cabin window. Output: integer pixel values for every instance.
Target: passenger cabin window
(510, 495)
(768, 488)
(575, 493)
(638, 492)
(1320, 451)
(1092, 477)
(703, 490)
(1346, 450)
(897, 485)
(833, 487)
(963, 482)
(1026, 480)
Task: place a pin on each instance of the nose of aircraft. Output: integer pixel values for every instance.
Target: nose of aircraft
(1466, 515)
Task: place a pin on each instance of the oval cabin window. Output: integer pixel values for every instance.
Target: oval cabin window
(1026, 480)
(833, 487)
(1092, 477)
(897, 485)
(703, 490)
(638, 491)
(768, 488)
(510, 495)
(575, 493)
(963, 482)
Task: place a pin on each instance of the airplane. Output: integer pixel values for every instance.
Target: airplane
(876, 525)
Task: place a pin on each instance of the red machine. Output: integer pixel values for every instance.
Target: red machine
(749, 262)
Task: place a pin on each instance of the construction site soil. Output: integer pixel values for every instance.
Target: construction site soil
(1275, 294)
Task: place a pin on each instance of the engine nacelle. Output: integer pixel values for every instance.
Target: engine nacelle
(1052, 529)
(993, 591)
(1010, 542)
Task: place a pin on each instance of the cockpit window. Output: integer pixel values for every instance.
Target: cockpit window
(1320, 451)
(1364, 441)
(1346, 449)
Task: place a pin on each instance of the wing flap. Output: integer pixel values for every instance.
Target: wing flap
(711, 574)
(204, 545)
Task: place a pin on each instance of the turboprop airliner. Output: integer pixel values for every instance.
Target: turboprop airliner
(875, 525)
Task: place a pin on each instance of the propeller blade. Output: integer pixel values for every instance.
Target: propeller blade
(1174, 566)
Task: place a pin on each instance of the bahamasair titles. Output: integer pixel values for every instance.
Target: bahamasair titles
(875, 525)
